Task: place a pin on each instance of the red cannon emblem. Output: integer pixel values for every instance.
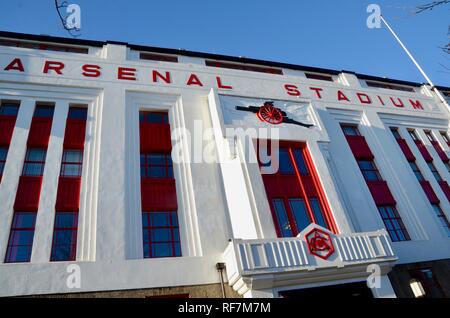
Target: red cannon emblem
(270, 114)
(319, 243)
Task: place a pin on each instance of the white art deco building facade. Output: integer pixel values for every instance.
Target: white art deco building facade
(139, 171)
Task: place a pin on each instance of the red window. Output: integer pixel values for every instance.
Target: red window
(153, 117)
(244, 67)
(43, 111)
(65, 229)
(72, 162)
(393, 223)
(294, 193)
(34, 162)
(350, 130)
(320, 77)
(442, 218)
(389, 86)
(3, 154)
(156, 165)
(9, 109)
(158, 57)
(161, 236)
(379, 189)
(77, 113)
(44, 46)
(65, 236)
(160, 228)
(21, 237)
(433, 169)
(369, 170)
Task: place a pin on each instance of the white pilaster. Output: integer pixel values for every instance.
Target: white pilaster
(46, 213)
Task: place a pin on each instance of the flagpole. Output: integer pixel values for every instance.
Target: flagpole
(442, 99)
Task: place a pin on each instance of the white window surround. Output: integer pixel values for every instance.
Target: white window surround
(187, 216)
(28, 95)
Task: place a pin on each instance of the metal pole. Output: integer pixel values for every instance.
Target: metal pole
(433, 88)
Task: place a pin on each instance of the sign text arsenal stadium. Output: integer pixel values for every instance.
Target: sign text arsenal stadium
(121, 73)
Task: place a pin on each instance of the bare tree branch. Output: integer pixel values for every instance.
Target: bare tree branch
(431, 5)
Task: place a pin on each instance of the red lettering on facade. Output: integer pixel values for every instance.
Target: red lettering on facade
(220, 85)
(15, 65)
(91, 70)
(381, 100)
(165, 78)
(126, 73)
(364, 98)
(399, 102)
(317, 90)
(292, 90)
(341, 96)
(416, 104)
(53, 66)
(194, 80)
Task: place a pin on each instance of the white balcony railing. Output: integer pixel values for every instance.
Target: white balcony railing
(248, 261)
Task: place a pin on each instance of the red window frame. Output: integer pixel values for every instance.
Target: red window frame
(3, 156)
(303, 171)
(65, 164)
(244, 67)
(150, 230)
(158, 57)
(39, 164)
(157, 157)
(64, 251)
(319, 77)
(15, 241)
(164, 168)
(393, 222)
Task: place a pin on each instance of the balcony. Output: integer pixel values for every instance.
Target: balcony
(271, 263)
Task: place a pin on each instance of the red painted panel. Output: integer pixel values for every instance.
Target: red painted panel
(381, 193)
(445, 188)
(75, 134)
(68, 197)
(28, 193)
(309, 185)
(39, 134)
(155, 137)
(423, 150)
(6, 129)
(406, 150)
(440, 151)
(158, 194)
(359, 147)
(429, 192)
(280, 186)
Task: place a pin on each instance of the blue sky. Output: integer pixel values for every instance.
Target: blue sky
(328, 33)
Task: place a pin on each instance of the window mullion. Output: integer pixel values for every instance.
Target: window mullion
(302, 187)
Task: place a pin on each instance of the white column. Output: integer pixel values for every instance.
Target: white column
(259, 293)
(385, 290)
(111, 217)
(13, 170)
(43, 233)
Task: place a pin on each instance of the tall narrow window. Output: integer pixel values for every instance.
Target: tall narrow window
(294, 194)
(8, 115)
(426, 186)
(394, 223)
(379, 189)
(21, 237)
(34, 162)
(72, 162)
(160, 229)
(434, 171)
(65, 229)
(3, 153)
(28, 192)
